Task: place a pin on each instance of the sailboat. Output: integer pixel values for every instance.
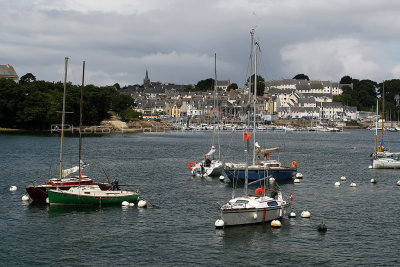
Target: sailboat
(261, 168)
(381, 157)
(89, 194)
(266, 204)
(211, 166)
(63, 182)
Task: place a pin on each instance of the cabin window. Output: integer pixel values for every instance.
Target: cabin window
(241, 201)
(272, 203)
(87, 193)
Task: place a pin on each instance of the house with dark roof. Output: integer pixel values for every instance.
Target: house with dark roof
(8, 72)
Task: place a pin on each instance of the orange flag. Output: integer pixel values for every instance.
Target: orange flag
(246, 136)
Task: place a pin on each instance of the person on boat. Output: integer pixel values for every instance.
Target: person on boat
(207, 162)
(266, 156)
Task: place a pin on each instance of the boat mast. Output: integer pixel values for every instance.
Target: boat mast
(215, 105)
(256, 47)
(63, 118)
(246, 172)
(251, 72)
(215, 91)
(376, 128)
(80, 122)
(383, 112)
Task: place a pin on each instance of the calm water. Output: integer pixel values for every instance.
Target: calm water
(178, 227)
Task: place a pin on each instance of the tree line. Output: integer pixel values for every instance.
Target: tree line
(33, 104)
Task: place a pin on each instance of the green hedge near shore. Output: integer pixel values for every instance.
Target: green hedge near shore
(37, 104)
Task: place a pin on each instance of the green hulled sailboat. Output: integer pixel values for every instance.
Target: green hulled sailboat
(90, 195)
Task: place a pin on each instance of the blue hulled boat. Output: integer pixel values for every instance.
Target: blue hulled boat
(261, 170)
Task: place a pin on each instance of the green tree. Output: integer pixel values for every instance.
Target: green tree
(27, 78)
(204, 85)
(117, 86)
(301, 77)
(232, 86)
(260, 85)
(346, 80)
(188, 88)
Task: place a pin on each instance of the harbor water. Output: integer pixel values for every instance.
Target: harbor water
(177, 228)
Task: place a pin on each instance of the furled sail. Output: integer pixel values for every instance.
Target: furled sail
(67, 172)
(211, 152)
(264, 151)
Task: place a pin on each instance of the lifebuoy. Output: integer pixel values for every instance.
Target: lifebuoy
(294, 164)
(259, 191)
(191, 165)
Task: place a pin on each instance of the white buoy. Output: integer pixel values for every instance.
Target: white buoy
(271, 180)
(398, 182)
(276, 224)
(47, 201)
(299, 175)
(337, 183)
(13, 188)
(142, 204)
(219, 224)
(373, 181)
(292, 215)
(222, 178)
(131, 204)
(125, 203)
(255, 216)
(25, 198)
(305, 214)
(370, 167)
(296, 181)
(343, 178)
(353, 185)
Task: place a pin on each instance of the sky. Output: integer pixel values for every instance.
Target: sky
(175, 40)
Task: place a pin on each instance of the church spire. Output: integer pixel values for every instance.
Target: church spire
(146, 81)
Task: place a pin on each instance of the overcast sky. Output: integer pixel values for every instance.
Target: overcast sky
(176, 39)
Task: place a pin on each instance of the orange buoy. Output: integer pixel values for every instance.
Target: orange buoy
(191, 165)
(294, 164)
(259, 191)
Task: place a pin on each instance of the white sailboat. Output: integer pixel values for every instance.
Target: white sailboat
(382, 157)
(211, 166)
(261, 168)
(266, 204)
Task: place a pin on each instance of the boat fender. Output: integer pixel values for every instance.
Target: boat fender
(259, 191)
(191, 165)
(294, 164)
(322, 227)
(276, 224)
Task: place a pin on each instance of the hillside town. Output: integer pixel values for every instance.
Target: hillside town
(282, 99)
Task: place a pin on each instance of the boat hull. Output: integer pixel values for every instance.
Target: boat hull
(39, 192)
(234, 217)
(279, 173)
(65, 198)
(385, 163)
(215, 169)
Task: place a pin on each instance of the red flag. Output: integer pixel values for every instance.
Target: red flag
(80, 176)
(291, 198)
(246, 136)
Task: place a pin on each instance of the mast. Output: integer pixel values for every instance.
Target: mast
(80, 122)
(251, 72)
(246, 172)
(215, 92)
(383, 112)
(376, 128)
(63, 118)
(215, 105)
(256, 47)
